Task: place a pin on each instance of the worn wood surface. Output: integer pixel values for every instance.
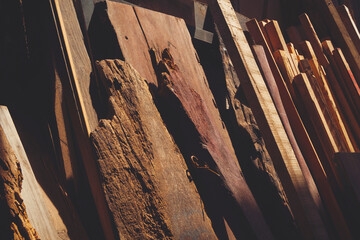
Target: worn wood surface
(14, 221)
(207, 139)
(143, 173)
(36, 202)
(79, 82)
(268, 119)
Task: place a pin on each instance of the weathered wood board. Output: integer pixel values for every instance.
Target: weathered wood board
(161, 34)
(32, 193)
(143, 173)
(15, 223)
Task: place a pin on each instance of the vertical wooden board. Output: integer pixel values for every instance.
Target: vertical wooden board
(302, 136)
(32, 193)
(307, 50)
(268, 119)
(78, 60)
(133, 44)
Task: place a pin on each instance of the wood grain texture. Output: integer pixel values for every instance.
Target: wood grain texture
(32, 193)
(260, 55)
(303, 139)
(143, 173)
(339, 33)
(267, 118)
(82, 112)
(14, 221)
(347, 110)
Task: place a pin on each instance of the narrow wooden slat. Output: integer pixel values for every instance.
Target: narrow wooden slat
(307, 50)
(83, 115)
(268, 120)
(347, 110)
(350, 25)
(350, 84)
(339, 128)
(302, 137)
(277, 41)
(318, 120)
(274, 91)
(340, 34)
(284, 65)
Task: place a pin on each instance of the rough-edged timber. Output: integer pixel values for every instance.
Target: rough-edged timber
(302, 136)
(143, 173)
(14, 222)
(268, 120)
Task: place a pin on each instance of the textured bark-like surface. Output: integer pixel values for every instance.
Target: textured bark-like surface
(14, 222)
(142, 171)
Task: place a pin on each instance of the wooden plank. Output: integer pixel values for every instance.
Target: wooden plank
(284, 65)
(340, 34)
(278, 42)
(32, 193)
(15, 223)
(318, 120)
(302, 137)
(259, 53)
(268, 119)
(348, 111)
(350, 84)
(82, 113)
(339, 130)
(294, 36)
(205, 116)
(307, 50)
(135, 151)
(350, 25)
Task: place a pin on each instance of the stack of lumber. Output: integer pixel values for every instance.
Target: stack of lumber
(193, 125)
(319, 94)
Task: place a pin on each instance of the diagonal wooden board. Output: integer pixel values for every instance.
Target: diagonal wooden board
(268, 119)
(32, 193)
(77, 83)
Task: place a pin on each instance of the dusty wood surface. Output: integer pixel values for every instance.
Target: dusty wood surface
(268, 119)
(14, 223)
(143, 173)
